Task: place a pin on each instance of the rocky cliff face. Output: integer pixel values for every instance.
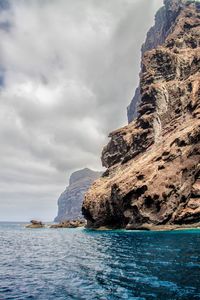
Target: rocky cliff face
(70, 201)
(153, 164)
(157, 34)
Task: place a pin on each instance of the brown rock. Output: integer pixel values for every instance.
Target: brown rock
(35, 224)
(69, 224)
(154, 162)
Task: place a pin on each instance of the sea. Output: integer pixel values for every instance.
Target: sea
(108, 265)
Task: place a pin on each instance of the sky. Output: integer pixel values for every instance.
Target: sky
(68, 70)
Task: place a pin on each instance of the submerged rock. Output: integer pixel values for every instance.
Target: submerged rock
(153, 164)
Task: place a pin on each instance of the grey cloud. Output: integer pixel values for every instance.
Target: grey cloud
(68, 71)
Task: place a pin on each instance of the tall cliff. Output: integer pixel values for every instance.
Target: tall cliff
(70, 201)
(164, 22)
(153, 164)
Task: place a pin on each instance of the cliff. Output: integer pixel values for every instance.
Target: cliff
(70, 201)
(153, 164)
(164, 22)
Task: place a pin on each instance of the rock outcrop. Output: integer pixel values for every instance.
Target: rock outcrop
(35, 224)
(153, 164)
(70, 201)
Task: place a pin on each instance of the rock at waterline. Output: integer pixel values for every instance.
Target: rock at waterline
(69, 224)
(35, 224)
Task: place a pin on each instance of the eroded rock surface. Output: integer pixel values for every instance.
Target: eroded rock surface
(153, 164)
(157, 34)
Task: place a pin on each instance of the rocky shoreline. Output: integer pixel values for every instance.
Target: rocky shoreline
(82, 224)
(64, 224)
(148, 227)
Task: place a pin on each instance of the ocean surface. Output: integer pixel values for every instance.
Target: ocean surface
(82, 264)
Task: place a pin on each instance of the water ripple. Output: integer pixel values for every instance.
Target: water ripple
(82, 264)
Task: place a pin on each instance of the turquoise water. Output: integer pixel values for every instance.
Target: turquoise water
(80, 264)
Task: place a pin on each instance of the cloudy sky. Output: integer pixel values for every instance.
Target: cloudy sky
(68, 69)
